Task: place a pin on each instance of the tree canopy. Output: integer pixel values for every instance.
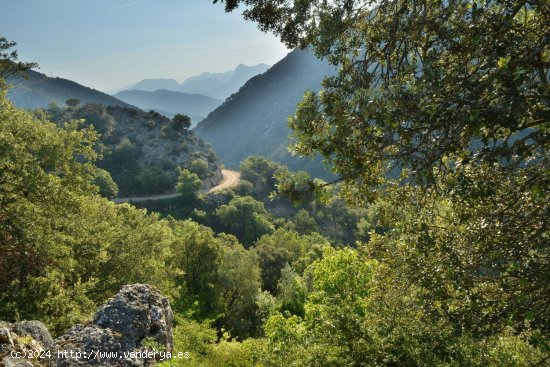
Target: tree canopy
(439, 113)
(246, 218)
(181, 122)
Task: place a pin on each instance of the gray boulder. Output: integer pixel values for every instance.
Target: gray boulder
(122, 333)
(134, 328)
(37, 330)
(138, 311)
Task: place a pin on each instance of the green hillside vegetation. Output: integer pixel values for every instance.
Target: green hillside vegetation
(418, 85)
(249, 210)
(253, 121)
(142, 151)
(67, 249)
(37, 90)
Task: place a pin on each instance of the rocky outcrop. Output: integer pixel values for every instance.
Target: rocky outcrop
(213, 180)
(134, 328)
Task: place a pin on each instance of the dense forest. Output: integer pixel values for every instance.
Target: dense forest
(430, 248)
(251, 208)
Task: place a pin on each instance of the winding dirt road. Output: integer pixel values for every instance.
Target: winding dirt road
(230, 179)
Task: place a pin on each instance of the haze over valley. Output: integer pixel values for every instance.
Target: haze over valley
(196, 96)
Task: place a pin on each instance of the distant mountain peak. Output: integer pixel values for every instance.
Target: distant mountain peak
(222, 85)
(151, 85)
(159, 79)
(242, 67)
(214, 85)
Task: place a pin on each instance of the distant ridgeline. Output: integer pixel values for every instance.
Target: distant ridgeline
(141, 150)
(214, 85)
(39, 90)
(170, 102)
(253, 121)
(196, 96)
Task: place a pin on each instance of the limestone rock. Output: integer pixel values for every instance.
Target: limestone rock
(131, 329)
(138, 312)
(214, 179)
(37, 330)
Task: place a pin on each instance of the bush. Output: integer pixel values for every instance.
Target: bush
(246, 218)
(96, 115)
(199, 167)
(150, 124)
(181, 122)
(155, 180)
(107, 187)
(244, 188)
(189, 184)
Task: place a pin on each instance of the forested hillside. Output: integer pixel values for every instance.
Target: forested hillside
(248, 210)
(234, 304)
(254, 120)
(66, 249)
(142, 151)
(37, 90)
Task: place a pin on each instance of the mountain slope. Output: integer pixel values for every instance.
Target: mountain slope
(221, 85)
(253, 121)
(170, 102)
(141, 150)
(39, 90)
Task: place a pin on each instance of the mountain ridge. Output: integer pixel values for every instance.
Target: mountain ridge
(214, 85)
(38, 90)
(152, 85)
(170, 102)
(253, 121)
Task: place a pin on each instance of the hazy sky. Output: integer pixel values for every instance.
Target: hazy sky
(107, 44)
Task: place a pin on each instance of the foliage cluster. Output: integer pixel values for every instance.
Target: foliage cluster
(439, 115)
